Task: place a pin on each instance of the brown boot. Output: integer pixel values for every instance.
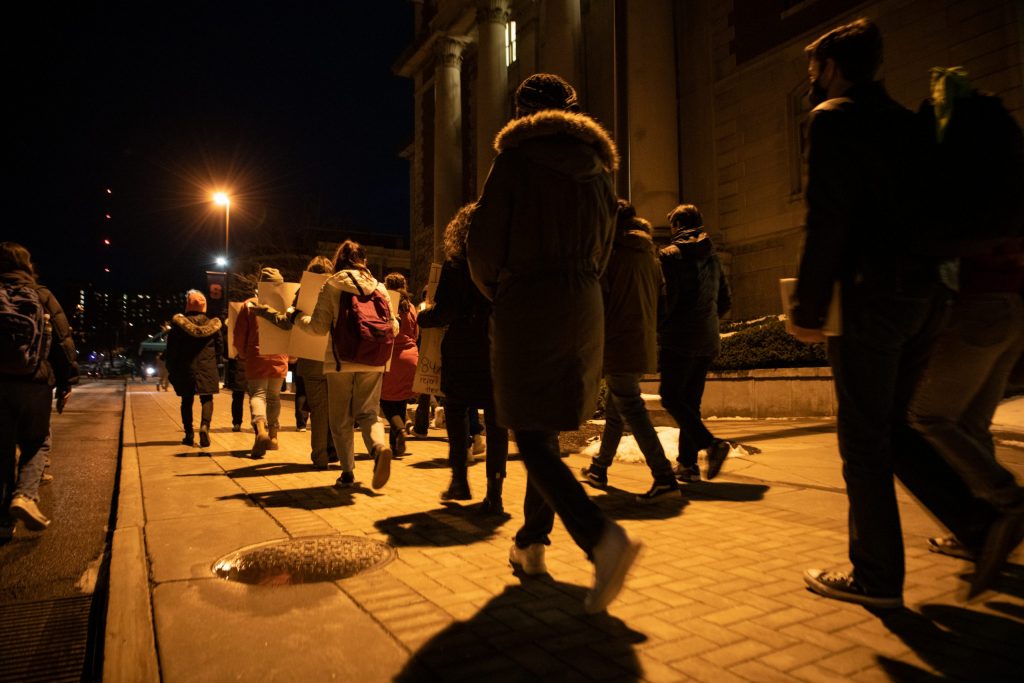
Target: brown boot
(273, 438)
(397, 436)
(262, 442)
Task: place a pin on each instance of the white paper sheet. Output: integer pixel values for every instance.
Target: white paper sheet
(305, 344)
(279, 296)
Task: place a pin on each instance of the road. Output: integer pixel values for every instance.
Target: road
(49, 579)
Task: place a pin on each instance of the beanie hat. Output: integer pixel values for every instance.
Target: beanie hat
(545, 91)
(195, 301)
(271, 275)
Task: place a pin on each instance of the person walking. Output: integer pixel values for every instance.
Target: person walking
(631, 286)
(696, 296)
(194, 343)
(538, 243)
(980, 153)
(867, 229)
(466, 368)
(396, 387)
(37, 354)
(264, 373)
(353, 388)
(162, 377)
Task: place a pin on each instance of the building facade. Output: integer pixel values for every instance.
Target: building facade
(706, 100)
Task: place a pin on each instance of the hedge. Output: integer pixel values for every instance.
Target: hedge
(764, 343)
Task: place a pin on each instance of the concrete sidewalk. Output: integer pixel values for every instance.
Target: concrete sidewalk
(717, 595)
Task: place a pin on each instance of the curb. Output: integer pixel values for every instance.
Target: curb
(129, 650)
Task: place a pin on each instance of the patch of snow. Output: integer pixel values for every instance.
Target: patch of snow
(629, 451)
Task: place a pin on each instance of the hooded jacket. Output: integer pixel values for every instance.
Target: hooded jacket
(631, 287)
(696, 295)
(60, 367)
(246, 339)
(538, 243)
(194, 343)
(325, 313)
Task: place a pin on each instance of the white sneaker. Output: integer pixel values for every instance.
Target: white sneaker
(479, 444)
(613, 556)
(439, 417)
(529, 559)
(28, 511)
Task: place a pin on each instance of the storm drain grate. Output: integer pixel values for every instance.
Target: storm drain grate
(44, 641)
(303, 560)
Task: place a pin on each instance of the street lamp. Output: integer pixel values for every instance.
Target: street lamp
(222, 199)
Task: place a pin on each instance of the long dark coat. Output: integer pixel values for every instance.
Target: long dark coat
(696, 294)
(631, 287)
(538, 243)
(465, 348)
(194, 344)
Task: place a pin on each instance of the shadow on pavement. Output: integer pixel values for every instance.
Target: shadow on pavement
(313, 498)
(785, 433)
(142, 444)
(262, 469)
(620, 504)
(959, 643)
(451, 525)
(534, 631)
(740, 493)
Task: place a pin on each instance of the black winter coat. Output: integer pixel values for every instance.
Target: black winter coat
(538, 244)
(60, 368)
(194, 344)
(696, 294)
(631, 286)
(465, 348)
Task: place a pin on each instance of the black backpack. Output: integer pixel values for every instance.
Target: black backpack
(24, 329)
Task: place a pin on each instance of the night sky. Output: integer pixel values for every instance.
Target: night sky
(290, 106)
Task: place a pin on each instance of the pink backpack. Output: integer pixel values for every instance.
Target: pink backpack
(363, 333)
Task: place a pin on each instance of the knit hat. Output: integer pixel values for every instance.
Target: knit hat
(195, 301)
(545, 91)
(271, 275)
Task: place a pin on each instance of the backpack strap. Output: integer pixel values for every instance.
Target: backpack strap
(355, 283)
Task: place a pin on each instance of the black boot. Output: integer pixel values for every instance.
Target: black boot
(491, 504)
(458, 489)
(204, 435)
(189, 439)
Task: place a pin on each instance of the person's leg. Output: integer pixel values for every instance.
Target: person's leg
(394, 414)
(274, 404)
(964, 382)
(339, 407)
(682, 387)
(206, 417)
(32, 432)
(258, 400)
(624, 388)
(237, 399)
(497, 444)
(10, 411)
(316, 399)
(366, 406)
(421, 422)
(301, 406)
(558, 490)
(456, 423)
(186, 412)
(611, 435)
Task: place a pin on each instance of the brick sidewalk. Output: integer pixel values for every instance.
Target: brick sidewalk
(716, 596)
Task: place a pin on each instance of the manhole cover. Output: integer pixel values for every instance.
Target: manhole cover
(304, 560)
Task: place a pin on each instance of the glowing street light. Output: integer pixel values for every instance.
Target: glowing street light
(221, 262)
(222, 199)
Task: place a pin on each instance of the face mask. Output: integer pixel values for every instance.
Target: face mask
(818, 94)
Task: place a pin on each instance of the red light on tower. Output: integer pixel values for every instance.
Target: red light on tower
(106, 242)
(108, 216)
(109, 191)
(106, 270)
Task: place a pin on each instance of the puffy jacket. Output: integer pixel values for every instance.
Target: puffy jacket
(194, 344)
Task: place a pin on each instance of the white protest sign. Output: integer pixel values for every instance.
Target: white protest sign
(303, 343)
(279, 296)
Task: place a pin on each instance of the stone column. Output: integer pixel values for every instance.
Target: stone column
(561, 44)
(491, 82)
(447, 137)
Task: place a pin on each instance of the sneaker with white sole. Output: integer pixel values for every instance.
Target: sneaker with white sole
(479, 444)
(687, 475)
(530, 560)
(948, 545)
(842, 586)
(659, 491)
(595, 475)
(613, 556)
(28, 511)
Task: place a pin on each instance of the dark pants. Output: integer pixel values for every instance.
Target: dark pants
(206, 410)
(237, 404)
(24, 424)
(877, 363)
(422, 419)
(682, 388)
(390, 409)
(458, 424)
(551, 488)
(301, 405)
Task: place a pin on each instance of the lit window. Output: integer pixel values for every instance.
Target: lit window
(510, 43)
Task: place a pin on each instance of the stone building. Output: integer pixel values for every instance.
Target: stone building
(705, 99)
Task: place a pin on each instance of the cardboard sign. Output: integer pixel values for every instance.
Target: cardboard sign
(428, 369)
(305, 344)
(279, 296)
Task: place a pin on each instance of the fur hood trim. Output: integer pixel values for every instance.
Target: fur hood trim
(195, 328)
(557, 122)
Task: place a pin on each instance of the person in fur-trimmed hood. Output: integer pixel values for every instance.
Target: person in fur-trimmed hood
(538, 243)
(194, 343)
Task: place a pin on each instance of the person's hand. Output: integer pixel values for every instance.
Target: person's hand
(63, 394)
(807, 335)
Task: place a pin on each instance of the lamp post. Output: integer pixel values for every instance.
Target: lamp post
(222, 199)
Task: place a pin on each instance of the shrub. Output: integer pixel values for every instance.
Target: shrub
(764, 343)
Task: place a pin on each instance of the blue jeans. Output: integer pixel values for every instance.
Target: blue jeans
(625, 405)
(877, 363)
(265, 400)
(24, 424)
(962, 385)
(551, 488)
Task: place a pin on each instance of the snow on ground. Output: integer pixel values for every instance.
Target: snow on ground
(629, 451)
